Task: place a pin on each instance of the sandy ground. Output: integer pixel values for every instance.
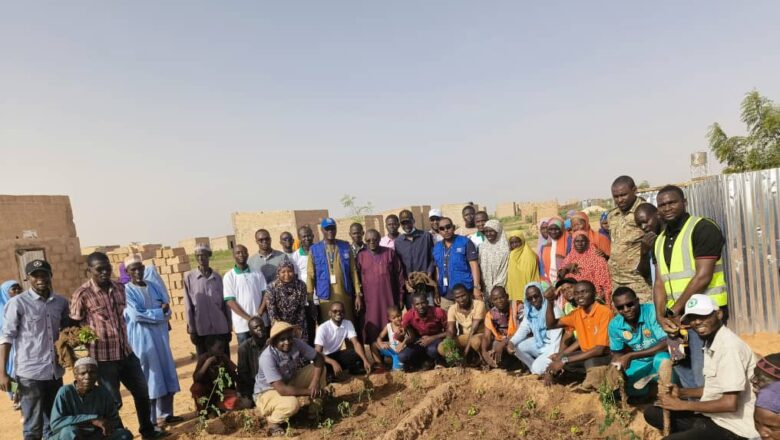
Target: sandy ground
(183, 354)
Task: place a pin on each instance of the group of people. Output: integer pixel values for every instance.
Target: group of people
(644, 287)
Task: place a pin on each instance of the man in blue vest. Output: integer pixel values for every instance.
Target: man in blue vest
(332, 273)
(457, 262)
(687, 257)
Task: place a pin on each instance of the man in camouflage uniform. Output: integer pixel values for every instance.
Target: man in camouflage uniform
(626, 240)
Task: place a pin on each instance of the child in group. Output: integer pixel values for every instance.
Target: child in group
(396, 339)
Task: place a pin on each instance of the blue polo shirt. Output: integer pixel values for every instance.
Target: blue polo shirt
(647, 334)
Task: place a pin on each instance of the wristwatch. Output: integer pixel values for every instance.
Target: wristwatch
(564, 360)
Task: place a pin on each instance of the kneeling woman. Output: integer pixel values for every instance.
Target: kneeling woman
(532, 342)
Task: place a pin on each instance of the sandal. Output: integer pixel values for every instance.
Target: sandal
(275, 430)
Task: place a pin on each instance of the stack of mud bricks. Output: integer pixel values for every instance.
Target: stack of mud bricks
(171, 264)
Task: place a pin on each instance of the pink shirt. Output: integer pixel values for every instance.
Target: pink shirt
(387, 242)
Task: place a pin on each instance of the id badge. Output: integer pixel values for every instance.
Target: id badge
(333, 279)
(446, 282)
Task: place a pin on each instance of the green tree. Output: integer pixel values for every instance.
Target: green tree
(356, 211)
(760, 148)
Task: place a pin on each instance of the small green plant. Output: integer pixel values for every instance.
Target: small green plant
(522, 429)
(87, 335)
(530, 405)
(416, 385)
(517, 414)
(345, 409)
(452, 353)
(222, 381)
(455, 424)
(398, 401)
(480, 392)
(612, 412)
(327, 426)
(382, 422)
(575, 430)
(366, 392)
(247, 422)
(555, 414)
(473, 410)
(289, 431)
(359, 434)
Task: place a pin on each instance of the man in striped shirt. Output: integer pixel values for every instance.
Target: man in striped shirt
(100, 303)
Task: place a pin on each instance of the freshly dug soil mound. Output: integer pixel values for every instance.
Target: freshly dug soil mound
(444, 404)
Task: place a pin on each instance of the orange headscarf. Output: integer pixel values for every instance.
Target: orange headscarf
(601, 242)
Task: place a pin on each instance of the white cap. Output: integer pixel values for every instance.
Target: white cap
(701, 305)
(85, 361)
(434, 213)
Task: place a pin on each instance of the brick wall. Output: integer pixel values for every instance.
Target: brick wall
(43, 223)
(223, 243)
(455, 212)
(245, 224)
(508, 209)
(190, 244)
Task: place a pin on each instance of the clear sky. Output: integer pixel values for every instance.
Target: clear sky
(159, 119)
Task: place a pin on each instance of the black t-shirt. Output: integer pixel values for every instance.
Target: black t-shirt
(708, 240)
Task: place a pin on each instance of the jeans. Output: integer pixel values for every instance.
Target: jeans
(241, 337)
(689, 371)
(536, 359)
(389, 352)
(688, 426)
(415, 353)
(128, 372)
(348, 360)
(37, 400)
(161, 407)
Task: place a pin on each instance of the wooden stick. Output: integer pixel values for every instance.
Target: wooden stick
(665, 387)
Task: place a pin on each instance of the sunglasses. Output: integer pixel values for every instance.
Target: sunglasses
(626, 305)
(445, 227)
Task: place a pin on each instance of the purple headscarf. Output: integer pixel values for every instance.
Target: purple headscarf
(769, 397)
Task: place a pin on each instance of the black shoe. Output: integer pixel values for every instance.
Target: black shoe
(155, 434)
(174, 419)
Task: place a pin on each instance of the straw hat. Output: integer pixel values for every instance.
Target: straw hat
(278, 328)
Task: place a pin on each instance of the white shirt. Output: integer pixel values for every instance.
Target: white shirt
(728, 367)
(477, 238)
(331, 336)
(247, 289)
(301, 261)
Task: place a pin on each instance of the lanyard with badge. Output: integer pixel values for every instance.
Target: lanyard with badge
(331, 261)
(445, 280)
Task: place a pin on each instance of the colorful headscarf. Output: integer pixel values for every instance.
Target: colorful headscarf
(494, 258)
(602, 231)
(591, 268)
(523, 268)
(5, 296)
(769, 398)
(542, 240)
(769, 368)
(559, 253)
(602, 243)
(537, 318)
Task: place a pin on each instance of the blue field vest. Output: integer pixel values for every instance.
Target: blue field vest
(322, 272)
(458, 269)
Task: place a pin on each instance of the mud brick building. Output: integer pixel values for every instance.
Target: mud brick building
(33, 227)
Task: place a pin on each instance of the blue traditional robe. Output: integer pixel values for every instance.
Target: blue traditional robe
(71, 412)
(147, 331)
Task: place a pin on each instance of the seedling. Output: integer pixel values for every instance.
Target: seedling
(416, 385)
(366, 392)
(345, 409)
(530, 405)
(382, 422)
(222, 381)
(575, 430)
(327, 426)
(473, 410)
(555, 414)
(452, 353)
(480, 392)
(398, 401)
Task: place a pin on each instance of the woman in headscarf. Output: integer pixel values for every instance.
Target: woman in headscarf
(493, 257)
(554, 250)
(532, 342)
(581, 222)
(8, 290)
(604, 225)
(287, 298)
(541, 242)
(523, 266)
(584, 264)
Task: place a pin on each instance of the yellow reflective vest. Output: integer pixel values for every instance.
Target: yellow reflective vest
(677, 273)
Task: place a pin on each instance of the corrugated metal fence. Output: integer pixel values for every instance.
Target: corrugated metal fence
(747, 207)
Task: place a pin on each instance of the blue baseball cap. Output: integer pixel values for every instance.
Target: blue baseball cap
(327, 222)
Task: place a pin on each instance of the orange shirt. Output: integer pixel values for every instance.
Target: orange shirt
(591, 327)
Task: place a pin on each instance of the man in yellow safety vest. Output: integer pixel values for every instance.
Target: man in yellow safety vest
(688, 261)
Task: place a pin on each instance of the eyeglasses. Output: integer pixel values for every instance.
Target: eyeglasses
(627, 305)
(445, 227)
